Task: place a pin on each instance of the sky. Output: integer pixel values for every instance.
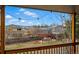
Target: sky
(30, 16)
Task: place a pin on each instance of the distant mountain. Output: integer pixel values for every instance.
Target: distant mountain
(12, 25)
(17, 26)
(34, 26)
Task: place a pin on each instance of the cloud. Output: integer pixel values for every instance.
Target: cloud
(30, 22)
(13, 21)
(26, 22)
(30, 14)
(22, 9)
(8, 16)
(22, 21)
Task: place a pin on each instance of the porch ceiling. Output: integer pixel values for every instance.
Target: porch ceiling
(59, 8)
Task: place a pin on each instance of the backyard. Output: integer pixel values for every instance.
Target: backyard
(33, 44)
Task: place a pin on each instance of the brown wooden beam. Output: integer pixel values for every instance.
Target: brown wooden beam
(73, 31)
(2, 29)
(55, 8)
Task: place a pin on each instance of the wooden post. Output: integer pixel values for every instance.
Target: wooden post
(73, 32)
(2, 29)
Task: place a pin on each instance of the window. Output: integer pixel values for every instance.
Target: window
(28, 27)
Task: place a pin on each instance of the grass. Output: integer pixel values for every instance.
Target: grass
(33, 44)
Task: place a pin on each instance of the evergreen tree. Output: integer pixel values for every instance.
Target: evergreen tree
(77, 27)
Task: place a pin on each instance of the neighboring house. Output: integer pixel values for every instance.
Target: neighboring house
(14, 31)
(57, 29)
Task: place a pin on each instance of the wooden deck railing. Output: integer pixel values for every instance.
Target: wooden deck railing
(77, 48)
(53, 49)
